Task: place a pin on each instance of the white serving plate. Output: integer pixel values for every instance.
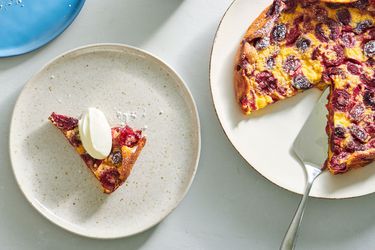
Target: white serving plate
(265, 138)
(114, 78)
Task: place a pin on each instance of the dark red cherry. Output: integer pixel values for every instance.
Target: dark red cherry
(363, 26)
(354, 146)
(116, 157)
(370, 82)
(279, 32)
(335, 143)
(266, 81)
(127, 137)
(275, 8)
(64, 122)
(330, 72)
(261, 43)
(360, 4)
(369, 48)
(320, 13)
(339, 132)
(109, 178)
(344, 16)
(348, 39)
(369, 99)
(334, 27)
(292, 35)
(340, 100)
(292, 65)
(356, 113)
(290, 5)
(353, 68)
(75, 140)
(301, 82)
(358, 133)
(87, 159)
(303, 44)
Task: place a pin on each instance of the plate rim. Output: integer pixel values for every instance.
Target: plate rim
(230, 140)
(43, 42)
(45, 212)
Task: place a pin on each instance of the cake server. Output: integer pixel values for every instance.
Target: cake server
(310, 147)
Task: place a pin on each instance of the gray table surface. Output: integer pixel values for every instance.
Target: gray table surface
(229, 206)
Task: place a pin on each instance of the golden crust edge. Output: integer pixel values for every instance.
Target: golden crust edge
(357, 160)
(241, 85)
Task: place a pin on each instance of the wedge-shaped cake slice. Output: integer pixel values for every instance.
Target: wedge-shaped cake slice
(112, 171)
(351, 108)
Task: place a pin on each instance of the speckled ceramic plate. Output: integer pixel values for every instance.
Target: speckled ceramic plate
(123, 82)
(265, 138)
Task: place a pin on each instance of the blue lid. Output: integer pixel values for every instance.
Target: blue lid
(26, 25)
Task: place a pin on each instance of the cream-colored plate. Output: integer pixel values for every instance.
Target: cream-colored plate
(122, 82)
(265, 138)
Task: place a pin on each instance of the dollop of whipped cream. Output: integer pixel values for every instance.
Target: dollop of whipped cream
(95, 133)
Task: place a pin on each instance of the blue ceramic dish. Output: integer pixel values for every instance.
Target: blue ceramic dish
(26, 25)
